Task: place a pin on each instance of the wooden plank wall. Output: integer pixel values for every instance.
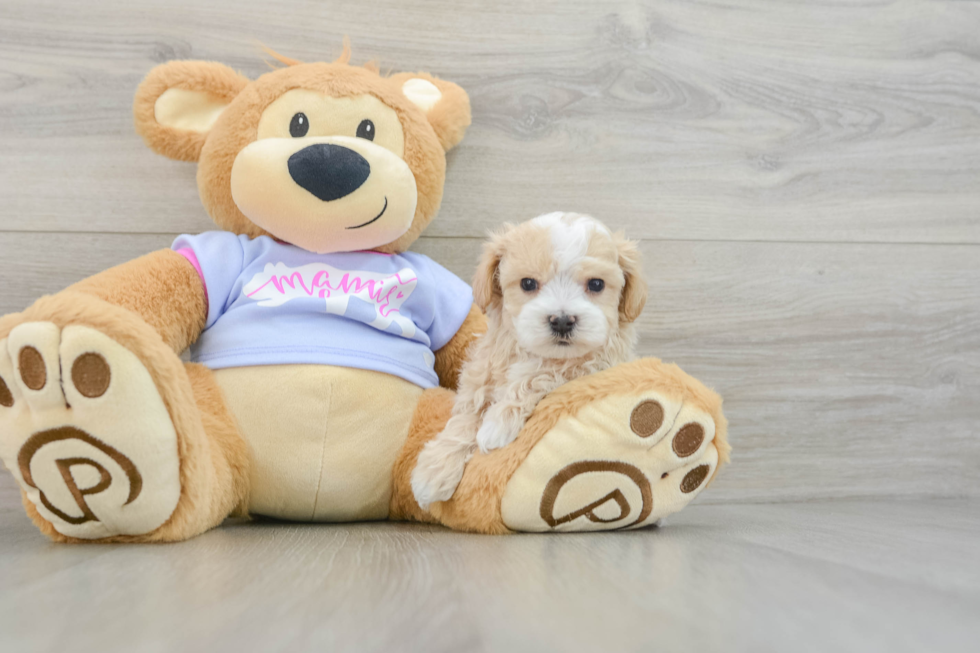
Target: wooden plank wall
(804, 178)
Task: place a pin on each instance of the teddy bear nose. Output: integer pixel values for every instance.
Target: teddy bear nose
(329, 171)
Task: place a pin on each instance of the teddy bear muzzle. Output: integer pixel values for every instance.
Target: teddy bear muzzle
(325, 194)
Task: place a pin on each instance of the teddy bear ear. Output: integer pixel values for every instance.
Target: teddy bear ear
(446, 105)
(179, 101)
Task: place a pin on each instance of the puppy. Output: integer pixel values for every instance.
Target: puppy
(561, 293)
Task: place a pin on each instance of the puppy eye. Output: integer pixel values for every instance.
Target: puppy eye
(596, 285)
(366, 130)
(299, 125)
(529, 285)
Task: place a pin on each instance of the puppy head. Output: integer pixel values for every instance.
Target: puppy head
(562, 283)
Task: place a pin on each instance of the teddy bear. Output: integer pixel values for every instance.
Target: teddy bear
(324, 353)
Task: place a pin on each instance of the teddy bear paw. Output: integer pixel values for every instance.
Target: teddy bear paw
(85, 432)
(624, 461)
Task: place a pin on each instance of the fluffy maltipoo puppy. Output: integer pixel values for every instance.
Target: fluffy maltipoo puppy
(561, 293)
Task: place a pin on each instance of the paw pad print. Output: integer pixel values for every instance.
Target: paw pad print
(85, 432)
(624, 461)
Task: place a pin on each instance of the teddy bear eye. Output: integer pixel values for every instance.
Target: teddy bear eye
(596, 285)
(299, 125)
(366, 130)
(528, 284)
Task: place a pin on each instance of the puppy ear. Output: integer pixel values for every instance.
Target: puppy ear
(486, 279)
(634, 296)
(179, 101)
(445, 105)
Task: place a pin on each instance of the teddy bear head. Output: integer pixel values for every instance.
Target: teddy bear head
(325, 156)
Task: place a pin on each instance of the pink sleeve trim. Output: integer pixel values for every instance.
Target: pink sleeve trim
(189, 254)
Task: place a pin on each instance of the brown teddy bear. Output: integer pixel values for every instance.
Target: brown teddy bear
(325, 352)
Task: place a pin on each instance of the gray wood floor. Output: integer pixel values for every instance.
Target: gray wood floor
(805, 181)
(856, 575)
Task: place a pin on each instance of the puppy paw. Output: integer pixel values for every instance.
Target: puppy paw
(495, 434)
(437, 473)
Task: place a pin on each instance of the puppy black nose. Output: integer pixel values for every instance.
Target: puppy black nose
(562, 325)
(329, 171)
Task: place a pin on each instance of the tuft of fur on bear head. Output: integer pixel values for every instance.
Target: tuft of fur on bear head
(325, 156)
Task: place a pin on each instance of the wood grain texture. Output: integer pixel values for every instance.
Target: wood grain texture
(847, 370)
(729, 120)
(839, 576)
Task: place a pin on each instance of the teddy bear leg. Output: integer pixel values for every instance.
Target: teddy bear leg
(619, 449)
(431, 414)
(110, 436)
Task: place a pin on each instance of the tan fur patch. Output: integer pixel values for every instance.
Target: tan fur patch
(431, 415)
(634, 293)
(449, 359)
(162, 288)
(527, 254)
(602, 247)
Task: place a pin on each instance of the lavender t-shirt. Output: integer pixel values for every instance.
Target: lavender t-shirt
(271, 303)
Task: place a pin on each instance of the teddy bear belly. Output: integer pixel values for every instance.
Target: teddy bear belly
(323, 439)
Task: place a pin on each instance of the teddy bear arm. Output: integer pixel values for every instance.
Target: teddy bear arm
(450, 359)
(162, 287)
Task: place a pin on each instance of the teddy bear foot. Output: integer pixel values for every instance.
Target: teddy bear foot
(622, 462)
(619, 449)
(85, 432)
